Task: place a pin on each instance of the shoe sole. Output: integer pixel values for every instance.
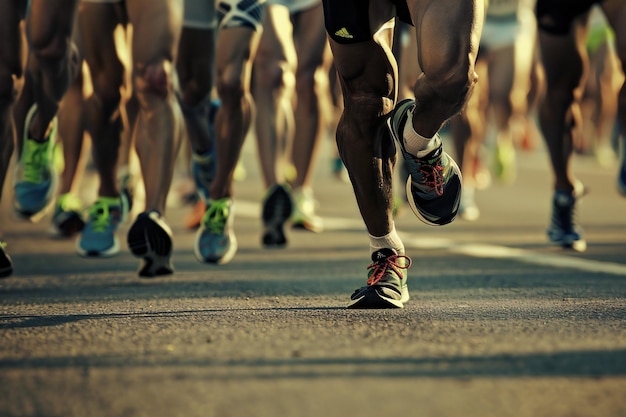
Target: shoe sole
(149, 239)
(277, 210)
(224, 259)
(112, 251)
(373, 300)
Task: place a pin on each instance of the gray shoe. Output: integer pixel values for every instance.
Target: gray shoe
(433, 188)
(386, 282)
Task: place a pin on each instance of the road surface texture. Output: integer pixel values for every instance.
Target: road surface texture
(499, 324)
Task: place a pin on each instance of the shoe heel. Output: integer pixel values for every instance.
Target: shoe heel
(156, 266)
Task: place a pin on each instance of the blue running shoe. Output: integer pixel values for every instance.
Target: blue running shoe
(563, 230)
(6, 265)
(150, 238)
(35, 176)
(386, 282)
(98, 238)
(433, 189)
(68, 218)
(215, 239)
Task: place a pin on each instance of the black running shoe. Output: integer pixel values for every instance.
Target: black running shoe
(6, 265)
(433, 189)
(563, 229)
(386, 282)
(277, 208)
(150, 238)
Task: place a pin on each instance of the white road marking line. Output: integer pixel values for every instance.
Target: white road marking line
(477, 250)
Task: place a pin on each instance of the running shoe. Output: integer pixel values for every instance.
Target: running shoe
(504, 162)
(563, 230)
(150, 238)
(277, 209)
(215, 239)
(303, 216)
(35, 175)
(468, 209)
(68, 218)
(433, 189)
(6, 265)
(386, 282)
(98, 238)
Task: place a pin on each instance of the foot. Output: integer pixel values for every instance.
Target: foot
(215, 239)
(277, 208)
(68, 219)
(150, 238)
(433, 188)
(563, 230)
(98, 238)
(386, 282)
(303, 216)
(35, 175)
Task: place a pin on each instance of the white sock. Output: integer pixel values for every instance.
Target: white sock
(415, 143)
(390, 240)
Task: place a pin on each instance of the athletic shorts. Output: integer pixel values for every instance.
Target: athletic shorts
(200, 14)
(499, 32)
(347, 21)
(556, 16)
(296, 6)
(241, 13)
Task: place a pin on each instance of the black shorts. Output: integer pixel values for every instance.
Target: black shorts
(347, 21)
(556, 16)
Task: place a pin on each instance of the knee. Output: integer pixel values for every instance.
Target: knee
(273, 75)
(229, 83)
(106, 89)
(154, 79)
(306, 84)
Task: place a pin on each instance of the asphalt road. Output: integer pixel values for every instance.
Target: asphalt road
(499, 324)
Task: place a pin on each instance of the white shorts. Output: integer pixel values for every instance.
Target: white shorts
(296, 6)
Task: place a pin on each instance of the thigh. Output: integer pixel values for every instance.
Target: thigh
(96, 24)
(276, 43)
(310, 36)
(157, 26)
(10, 39)
(50, 21)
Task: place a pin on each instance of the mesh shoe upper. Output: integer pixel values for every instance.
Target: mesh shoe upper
(98, 237)
(215, 239)
(434, 183)
(386, 282)
(35, 176)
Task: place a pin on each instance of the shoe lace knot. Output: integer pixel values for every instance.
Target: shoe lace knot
(379, 268)
(215, 218)
(432, 176)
